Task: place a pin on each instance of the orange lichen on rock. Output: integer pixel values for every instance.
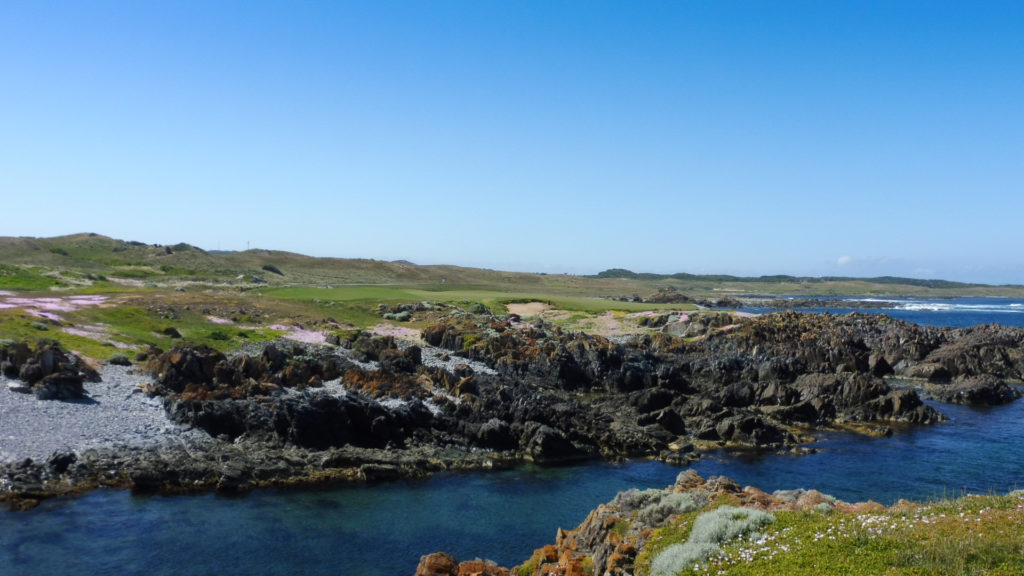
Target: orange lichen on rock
(380, 384)
(481, 568)
(437, 564)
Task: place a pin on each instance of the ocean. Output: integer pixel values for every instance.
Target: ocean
(954, 312)
(383, 529)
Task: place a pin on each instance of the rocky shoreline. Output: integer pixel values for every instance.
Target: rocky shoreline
(641, 532)
(609, 539)
(479, 391)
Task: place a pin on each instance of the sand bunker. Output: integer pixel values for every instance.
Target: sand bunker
(528, 308)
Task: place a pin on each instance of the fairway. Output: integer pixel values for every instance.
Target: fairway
(492, 297)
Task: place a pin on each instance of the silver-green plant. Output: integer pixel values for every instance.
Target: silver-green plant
(656, 512)
(709, 532)
(634, 499)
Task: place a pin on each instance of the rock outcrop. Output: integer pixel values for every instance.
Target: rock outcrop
(293, 412)
(608, 540)
(441, 564)
(977, 391)
(45, 370)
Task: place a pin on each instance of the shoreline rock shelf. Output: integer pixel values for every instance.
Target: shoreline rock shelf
(486, 391)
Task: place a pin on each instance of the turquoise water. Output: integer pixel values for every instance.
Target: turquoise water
(382, 530)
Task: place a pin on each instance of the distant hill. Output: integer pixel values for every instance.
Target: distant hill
(781, 278)
(82, 259)
(94, 254)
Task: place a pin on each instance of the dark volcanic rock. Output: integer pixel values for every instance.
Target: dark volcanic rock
(555, 396)
(59, 387)
(313, 420)
(977, 391)
(48, 372)
(176, 369)
(543, 444)
(858, 398)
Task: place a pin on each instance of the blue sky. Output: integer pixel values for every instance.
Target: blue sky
(820, 138)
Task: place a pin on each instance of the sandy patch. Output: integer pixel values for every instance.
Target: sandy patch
(127, 281)
(300, 334)
(44, 315)
(93, 331)
(645, 314)
(219, 320)
(395, 331)
(528, 308)
(96, 332)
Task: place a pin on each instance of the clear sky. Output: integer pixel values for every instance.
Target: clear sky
(822, 137)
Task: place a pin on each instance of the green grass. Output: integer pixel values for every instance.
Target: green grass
(130, 325)
(136, 325)
(24, 278)
(971, 535)
(18, 326)
(494, 298)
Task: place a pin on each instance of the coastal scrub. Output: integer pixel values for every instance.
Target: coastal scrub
(970, 535)
(709, 532)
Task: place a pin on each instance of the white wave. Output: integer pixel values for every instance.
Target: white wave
(925, 307)
(955, 307)
(880, 300)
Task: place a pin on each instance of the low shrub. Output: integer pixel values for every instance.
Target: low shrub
(656, 512)
(654, 506)
(119, 360)
(709, 531)
(634, 499)
(468, 340)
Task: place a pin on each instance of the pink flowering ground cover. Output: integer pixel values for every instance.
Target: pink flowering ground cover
(48, 307)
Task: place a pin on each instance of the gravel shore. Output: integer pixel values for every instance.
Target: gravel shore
(115, 412)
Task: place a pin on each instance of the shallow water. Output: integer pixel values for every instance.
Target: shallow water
(382, 530)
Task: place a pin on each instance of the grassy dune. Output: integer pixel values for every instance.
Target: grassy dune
(88, 259)
(150, 289)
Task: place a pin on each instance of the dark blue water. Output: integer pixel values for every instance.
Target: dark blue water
(383, 529)
(954, 312)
